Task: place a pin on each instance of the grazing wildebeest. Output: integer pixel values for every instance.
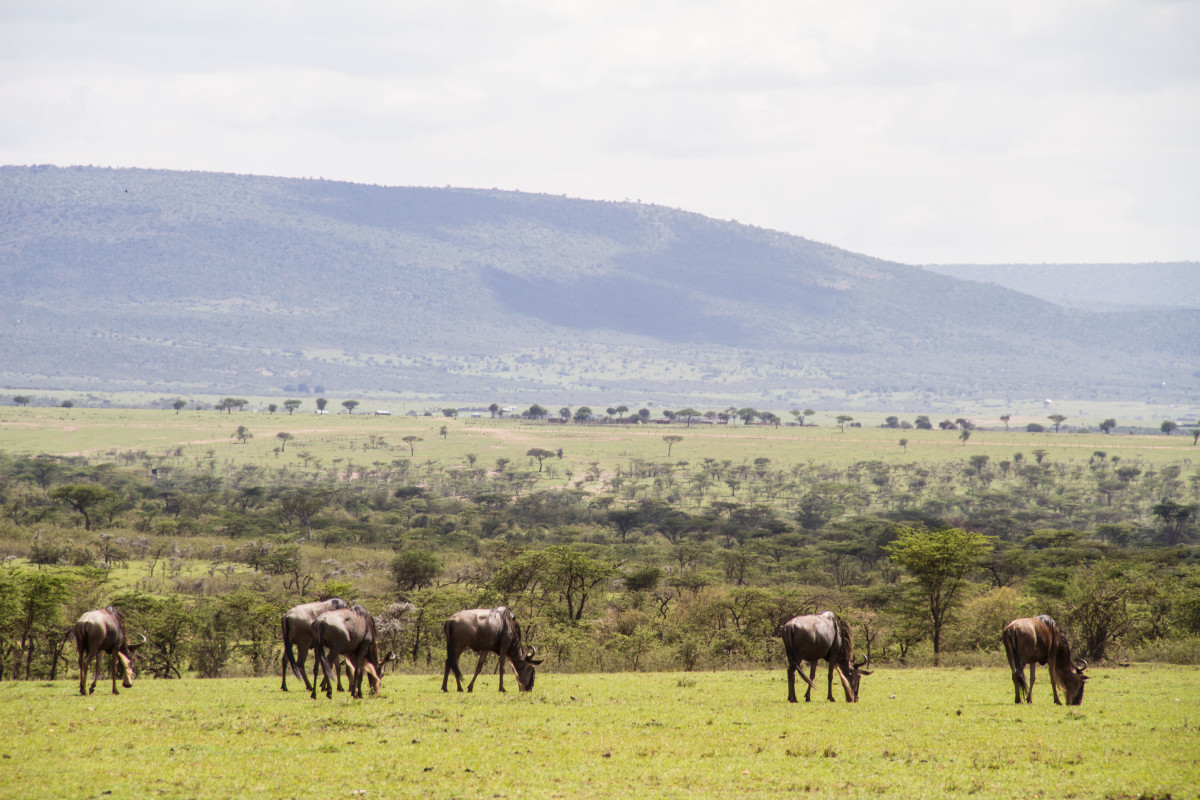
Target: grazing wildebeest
(1037, 640)
(348, 632)
(103, 630)
(488, 630)
(297, 630)
(821, 636)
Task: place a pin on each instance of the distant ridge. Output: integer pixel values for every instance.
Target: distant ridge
(1093, 287)
(181, 282)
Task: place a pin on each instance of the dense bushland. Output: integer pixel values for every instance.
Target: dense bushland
(635, 564)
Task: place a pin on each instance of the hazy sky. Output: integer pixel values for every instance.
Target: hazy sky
(924, 131)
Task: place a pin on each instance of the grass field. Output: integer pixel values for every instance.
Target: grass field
(104, 434)
(920, 733)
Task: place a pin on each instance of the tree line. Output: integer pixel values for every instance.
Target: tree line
(634, 564)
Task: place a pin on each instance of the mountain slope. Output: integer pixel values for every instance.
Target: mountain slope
(200, 282)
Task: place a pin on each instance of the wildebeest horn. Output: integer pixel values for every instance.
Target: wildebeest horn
(1082, 665)
(139, 644)
(860, 664)
(532, 652)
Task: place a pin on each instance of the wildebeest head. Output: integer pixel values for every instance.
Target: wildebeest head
(1073, 681)
(131, 654)
(526, 672)
(854, 675)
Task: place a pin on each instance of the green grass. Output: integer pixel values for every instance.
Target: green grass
(104, 434)
(917, 733)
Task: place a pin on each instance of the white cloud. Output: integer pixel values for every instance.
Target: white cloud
(1030, 130)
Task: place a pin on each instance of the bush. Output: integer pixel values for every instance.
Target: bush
(1184, 650)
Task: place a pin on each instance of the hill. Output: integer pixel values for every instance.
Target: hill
(211, 283)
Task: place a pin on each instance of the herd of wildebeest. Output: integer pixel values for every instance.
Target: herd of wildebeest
(338, 632)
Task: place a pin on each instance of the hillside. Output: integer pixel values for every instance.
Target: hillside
(197, 282)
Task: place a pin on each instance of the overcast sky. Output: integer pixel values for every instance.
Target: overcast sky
(925, 131)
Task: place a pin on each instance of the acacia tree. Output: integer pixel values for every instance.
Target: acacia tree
(350, 405)
(574, 575)
(540, 454)
(1058, 420)
(284, 437)
(1108, 425)
(939, 562)
(671, 442)
(178, 404)
(1168, 426)
(291, 405)
(1175, 518)
(411, 441)
(82, 497)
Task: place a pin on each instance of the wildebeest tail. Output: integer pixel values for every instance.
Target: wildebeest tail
(81, 637)
(287, 649)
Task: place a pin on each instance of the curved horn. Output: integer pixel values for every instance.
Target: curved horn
(132, 647)
(1082, 665)
(532, 652)
(859, 664)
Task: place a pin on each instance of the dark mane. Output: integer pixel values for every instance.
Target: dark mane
(845, 653)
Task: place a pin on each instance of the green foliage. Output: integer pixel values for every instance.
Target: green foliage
(632, 561)
(939, 562)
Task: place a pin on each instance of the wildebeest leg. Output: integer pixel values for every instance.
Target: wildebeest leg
(479, 668)
(337, 670)
(316, 669)
(112, 669)
(1018, 679)
(829, 694)
(812, 676)
(793, 669)
(84, 663)
(96, 674)
(1032, 678)
(451, 664)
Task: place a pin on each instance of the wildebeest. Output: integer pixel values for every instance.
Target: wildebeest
(488, 630)
(103, 630)
(348, 632)
(297, 630)
(1037, 640)
(813, 637)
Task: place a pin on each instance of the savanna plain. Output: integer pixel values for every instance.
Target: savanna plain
(589, 729)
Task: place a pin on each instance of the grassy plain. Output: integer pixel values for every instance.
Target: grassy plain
(363, 439)
(926, 733)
